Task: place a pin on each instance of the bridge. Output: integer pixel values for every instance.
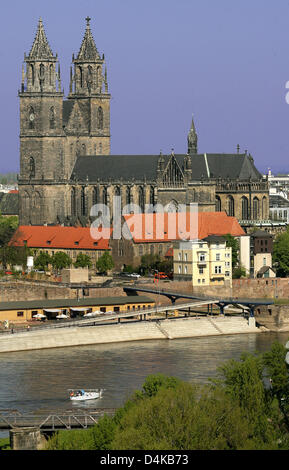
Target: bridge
(246, 304)
(25, 430)
(51, 421)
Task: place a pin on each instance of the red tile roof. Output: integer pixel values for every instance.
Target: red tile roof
(57, 237)
(147, 228)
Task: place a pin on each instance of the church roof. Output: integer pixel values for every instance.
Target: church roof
(157, 227)
(144, 167)
(9, 203)
(40, 48)
(35, 236)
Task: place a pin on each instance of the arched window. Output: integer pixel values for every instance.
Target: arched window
(141, 201)
(32, 74)
(218, 204)
(100, 118)
(83, 149)
(172, 206)
(104, 196)
(230, 206)
(31, 118)
(255, 208)
(73, 202)
(51, 74)
(52, 118)
(128, 195)
(152, 195)
(100, 149)
(245, 208)
(80, 73)
(83, 204)
(95, 195)
(31, 167)
(264, 208)
(41, 74)
(89, 77)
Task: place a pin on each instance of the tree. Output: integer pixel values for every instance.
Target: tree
(281, 254)
(61, 260)
(105, 262)
(232, 242)
(239, 272)
(42, 261)
(82, 261)
(8, 226)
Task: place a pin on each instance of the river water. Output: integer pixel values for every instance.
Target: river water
(38, 380)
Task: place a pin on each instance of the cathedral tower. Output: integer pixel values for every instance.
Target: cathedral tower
(41, 130)
(89, 116)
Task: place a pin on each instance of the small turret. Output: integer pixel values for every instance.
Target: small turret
(192, 139)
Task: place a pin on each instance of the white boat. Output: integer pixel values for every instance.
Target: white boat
(88, 394)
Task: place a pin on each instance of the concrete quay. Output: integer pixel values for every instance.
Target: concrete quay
(168, 329)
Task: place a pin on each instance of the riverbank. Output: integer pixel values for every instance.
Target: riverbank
(169, 329)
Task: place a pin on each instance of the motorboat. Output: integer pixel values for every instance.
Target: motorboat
(88, 394)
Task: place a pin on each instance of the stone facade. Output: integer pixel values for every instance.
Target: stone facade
(66, 166)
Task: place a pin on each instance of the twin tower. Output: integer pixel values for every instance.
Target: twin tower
(54, 131)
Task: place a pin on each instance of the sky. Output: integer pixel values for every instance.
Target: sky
(224, 62)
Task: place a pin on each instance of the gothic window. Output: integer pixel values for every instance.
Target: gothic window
(173, 175)
(83, 147)
(100, 149)
(32, 74)
(104, 196)
(218, 204)
(31, 118)
(230, 206)
(31, 167)
(89, 77)
(141, 199)
(51, 75)
(83, 205)
(80, 76)
(95, 196)
(245, 208)
(255, 208)
(52, 118)
(41, 74)
(172, 207)
(152, 195)
(73, 202)
(264, 212)
(100, 118)
(128, 196)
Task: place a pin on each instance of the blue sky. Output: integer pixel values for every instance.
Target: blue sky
(226, 62)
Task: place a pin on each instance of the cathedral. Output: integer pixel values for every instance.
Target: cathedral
(65, 162)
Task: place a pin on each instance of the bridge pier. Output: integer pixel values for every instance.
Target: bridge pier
(29, 438)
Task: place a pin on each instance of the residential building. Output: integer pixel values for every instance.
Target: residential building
(205, 262)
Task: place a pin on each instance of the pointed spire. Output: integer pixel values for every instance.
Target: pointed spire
(88, 50)
(192, 139)
(40, 48)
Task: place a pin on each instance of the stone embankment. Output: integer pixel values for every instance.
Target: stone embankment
(138, 331)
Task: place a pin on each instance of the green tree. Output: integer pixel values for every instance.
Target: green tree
(239, 272)
(281, 254)
(42, 261)
(61, 260)
(105, 263)
(232, 242)
(82, 261)
(277, 368)
(8, 225)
